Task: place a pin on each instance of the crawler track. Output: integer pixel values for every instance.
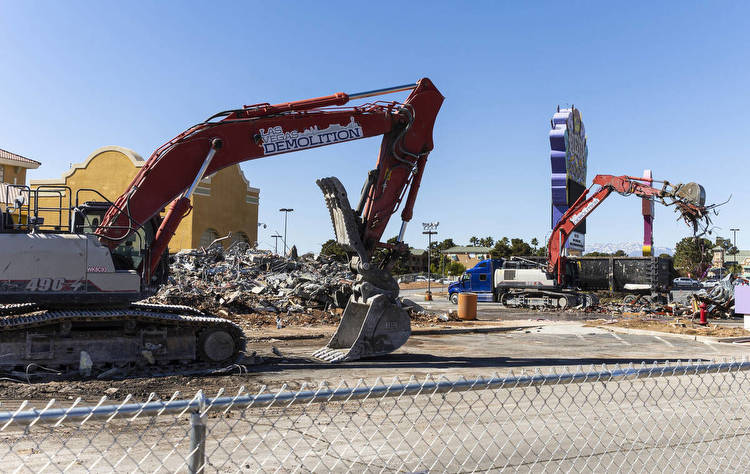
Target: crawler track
(147, 337)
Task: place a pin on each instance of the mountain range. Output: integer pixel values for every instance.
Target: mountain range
(633, 249)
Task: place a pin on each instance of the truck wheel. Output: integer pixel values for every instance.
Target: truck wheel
(504, 300)
(454, 298)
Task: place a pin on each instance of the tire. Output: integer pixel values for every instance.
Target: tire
(453, 298)
(504, 300)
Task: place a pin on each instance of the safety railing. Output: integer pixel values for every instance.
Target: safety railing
(672, 417)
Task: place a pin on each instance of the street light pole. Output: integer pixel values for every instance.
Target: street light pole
(430, 229)
(286, 212)
(276, 238)
(734, 232)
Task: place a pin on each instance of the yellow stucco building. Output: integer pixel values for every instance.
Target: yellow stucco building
(223, 203)
(13, 167)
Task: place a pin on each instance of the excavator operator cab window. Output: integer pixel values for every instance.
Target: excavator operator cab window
(130, 252)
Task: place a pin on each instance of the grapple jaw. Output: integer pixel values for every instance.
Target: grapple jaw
(691, 193)
(374, 322)
(345, 223)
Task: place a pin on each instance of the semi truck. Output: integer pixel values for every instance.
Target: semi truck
(490, 279)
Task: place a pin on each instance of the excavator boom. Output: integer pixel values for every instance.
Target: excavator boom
(689, 200)
(264, 130)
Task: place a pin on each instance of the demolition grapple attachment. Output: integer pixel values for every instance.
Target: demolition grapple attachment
(374, 321)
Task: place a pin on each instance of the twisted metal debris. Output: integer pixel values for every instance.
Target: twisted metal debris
(246, 280)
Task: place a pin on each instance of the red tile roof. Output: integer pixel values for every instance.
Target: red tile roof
(21, 160)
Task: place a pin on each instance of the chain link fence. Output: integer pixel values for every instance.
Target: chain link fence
(686, 417)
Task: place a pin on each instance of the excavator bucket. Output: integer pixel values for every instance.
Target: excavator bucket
(374, 322)
(371, 329)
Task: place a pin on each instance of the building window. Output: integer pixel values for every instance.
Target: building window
(202, 191)
(240, 236)
(208, 236)
(2, 174)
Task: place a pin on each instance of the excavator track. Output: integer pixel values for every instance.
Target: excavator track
(546, 299)
(146, 337)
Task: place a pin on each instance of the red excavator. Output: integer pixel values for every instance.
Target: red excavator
(76, 286)
(530, 284)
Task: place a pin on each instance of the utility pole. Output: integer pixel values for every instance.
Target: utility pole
(736, 250)
(430, 229)
(276, 238)
(286, 212)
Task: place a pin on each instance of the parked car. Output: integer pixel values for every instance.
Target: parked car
(685, 283)
(710, 282)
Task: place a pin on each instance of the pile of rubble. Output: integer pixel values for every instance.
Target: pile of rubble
(720, 299)
(244, 280)
(719, 302)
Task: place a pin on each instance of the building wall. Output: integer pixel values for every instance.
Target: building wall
(109, 170)
(13, 174)
(417, 262)
(223, 202)
(468, 260)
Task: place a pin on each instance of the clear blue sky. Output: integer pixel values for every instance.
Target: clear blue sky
(661, 85)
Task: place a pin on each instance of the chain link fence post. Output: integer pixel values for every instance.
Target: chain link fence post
(197, 460)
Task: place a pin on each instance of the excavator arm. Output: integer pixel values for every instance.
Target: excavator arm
(689, 199)
(257, 131)
(374, 321)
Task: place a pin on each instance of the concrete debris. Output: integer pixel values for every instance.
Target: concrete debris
(85, 364)
(243, 280)
(149, 356)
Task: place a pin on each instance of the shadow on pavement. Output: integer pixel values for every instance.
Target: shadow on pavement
(427, 361)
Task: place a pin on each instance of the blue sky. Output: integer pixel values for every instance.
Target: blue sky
(660, 85)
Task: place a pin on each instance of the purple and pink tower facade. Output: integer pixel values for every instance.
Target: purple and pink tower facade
(648, 218)
(568, 156)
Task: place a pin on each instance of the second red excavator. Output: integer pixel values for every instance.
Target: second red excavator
(553, 286)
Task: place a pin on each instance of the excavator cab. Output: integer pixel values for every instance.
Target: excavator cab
(132, 252)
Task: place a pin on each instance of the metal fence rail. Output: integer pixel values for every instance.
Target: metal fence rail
(675, 417)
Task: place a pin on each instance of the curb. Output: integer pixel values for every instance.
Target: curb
(290, 337)
(414, 332)
(703, 339)
(474, 330)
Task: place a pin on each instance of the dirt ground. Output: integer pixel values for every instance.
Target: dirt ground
(288, 348)
(673, 326)
(418, 285)
(312, 329)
